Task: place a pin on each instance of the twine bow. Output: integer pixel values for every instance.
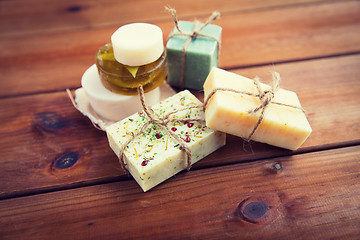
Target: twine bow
(192, 36)
(265, 98)
(153, 118)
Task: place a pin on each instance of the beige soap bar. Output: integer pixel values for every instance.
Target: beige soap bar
(226, 111)
(109, 105)
(155, 155)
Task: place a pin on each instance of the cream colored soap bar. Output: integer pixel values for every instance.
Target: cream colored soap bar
(226, 111)
(155, 155)
(137, 44)
(110, 105)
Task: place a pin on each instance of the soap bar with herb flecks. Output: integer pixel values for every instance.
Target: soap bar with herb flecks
(201, 55)
(155, 155)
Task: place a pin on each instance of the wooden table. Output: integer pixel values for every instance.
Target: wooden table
(59, 179)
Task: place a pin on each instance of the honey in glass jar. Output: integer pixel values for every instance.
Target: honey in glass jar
(135, 56)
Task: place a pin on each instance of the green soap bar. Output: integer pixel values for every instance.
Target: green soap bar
(201, 55)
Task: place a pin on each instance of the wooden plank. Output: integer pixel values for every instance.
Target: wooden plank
(24, 17)
(46, 143)
(44, 128)
(312, 196)
(55, 61)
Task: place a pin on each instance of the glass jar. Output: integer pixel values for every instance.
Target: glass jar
(123, 79)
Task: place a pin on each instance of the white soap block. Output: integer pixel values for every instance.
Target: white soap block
(226, 111)
(137, 44)
(109, 105)
(154, 155)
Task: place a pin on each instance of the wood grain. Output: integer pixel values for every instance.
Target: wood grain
(59, 179)
(56, 60)
(27, 18)
(46, 127)
(47, 143)
(313, 196)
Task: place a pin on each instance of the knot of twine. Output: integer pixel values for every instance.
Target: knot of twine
(153, 118)
(265, 98)
(192, 36)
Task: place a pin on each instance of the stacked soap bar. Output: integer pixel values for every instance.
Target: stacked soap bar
(134, 48)
(110, 105)
(137, 44)
(155, 155)
(226, 111)
(201, 55)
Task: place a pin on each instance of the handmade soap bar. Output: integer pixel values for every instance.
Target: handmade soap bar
(137, 44)
(155, 155)
(109, 105)
(226, 111)
(201, 55)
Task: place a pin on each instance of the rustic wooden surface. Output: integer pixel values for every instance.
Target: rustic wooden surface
(60, 180)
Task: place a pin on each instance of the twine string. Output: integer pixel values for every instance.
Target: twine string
(265, 98)
(192, 36)
(153, 118)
